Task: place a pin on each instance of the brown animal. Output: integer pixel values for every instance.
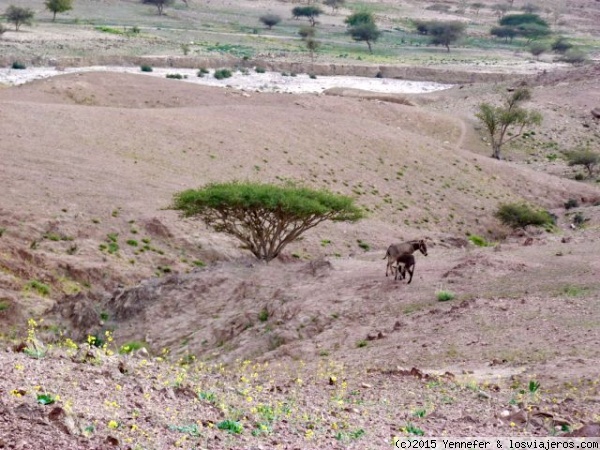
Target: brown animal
(406, 263)
(394, 251)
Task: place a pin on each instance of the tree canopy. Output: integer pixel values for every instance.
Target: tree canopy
(264, 217)
(520, 215)
(362, 28)
(58, 6)
(311, 12)
(270, 20)
(499, 119)
(445, 33)
(18, 15)
(584, 157)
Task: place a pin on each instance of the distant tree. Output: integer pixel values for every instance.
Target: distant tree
(574, 56)
(477, 7)
(537, 48)
(311, 12)
(533, 31)
(359, 17)
(58, 6)
(308, 36)
(334, 4)
(529, 26)
(584, 157)
(421, 26)
(499, 119)
(312, 45)
(307, 32)
(19, 16)
(501, 9)
(160, 4)
(515, 20)
(362, 28)
(520, 215)
(445, 33)
(365, 32)
(561, 45)
(270, 20)
(504, 32)
(264, 217)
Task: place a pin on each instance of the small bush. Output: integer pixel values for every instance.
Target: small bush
(37, 286)
(146, 68)
(362, 244)
(175, 76)
(574, 56)
(263, 315)
(520, 215)
(132, 242)
(362, 343)
(571, 203)
(444, 296)
(260, 69)
(313, 76)
(131, 347)
(220, 74)
(18, 65)
(478, 241)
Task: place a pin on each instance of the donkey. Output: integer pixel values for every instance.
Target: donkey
(394, 251)
(406, 263)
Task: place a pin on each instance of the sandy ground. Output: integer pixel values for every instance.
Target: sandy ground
(250, 81)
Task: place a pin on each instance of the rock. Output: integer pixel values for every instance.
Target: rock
(596, 112)
(588, 430)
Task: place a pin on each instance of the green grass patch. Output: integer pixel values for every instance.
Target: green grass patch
(444, 296)
(37, 286)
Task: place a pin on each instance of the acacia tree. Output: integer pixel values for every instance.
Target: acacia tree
(499, 119)
(584, 157)
(58, 6)
(270, 20)
(308, 36)
(362, 28)
(445, 33)
(310, 12)
(264, 217)
(19, 16)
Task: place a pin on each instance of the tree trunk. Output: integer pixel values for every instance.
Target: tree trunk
(369, 45)
(496, 151)
(54, 16)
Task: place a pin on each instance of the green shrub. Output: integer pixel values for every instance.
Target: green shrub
(220, 74)
(444, 296)
(574, 56)
(571, 203)
(146, 68)
(520, 215)
(478, 241)
(230, 426)
(131, 347)
(260, 69)
(132, 242)
(362, 244)
(263, 315)
(37, 286)
(175, 76)
(18, 65)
